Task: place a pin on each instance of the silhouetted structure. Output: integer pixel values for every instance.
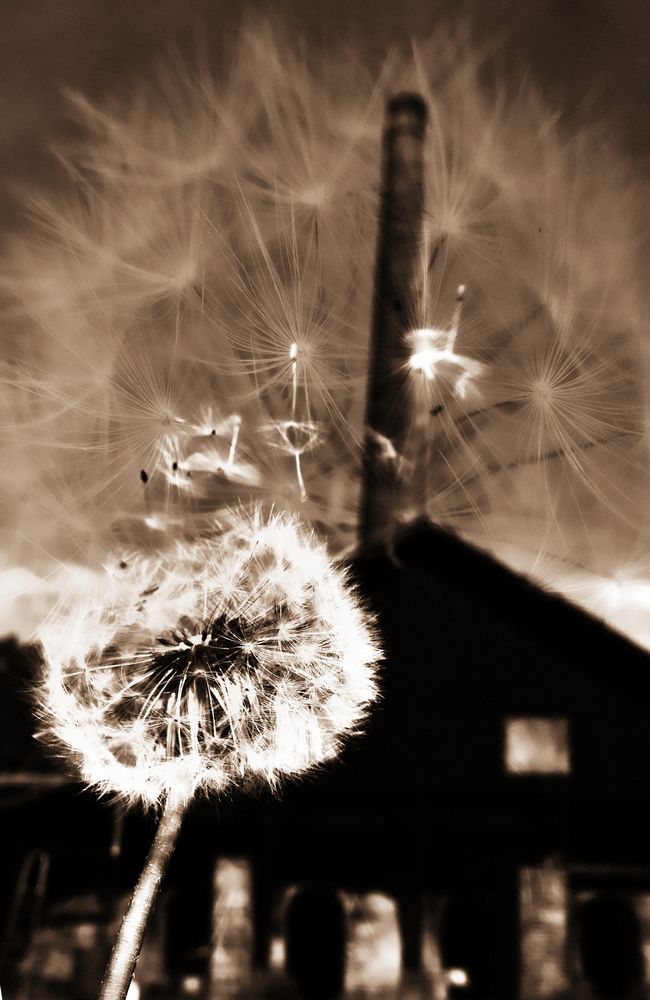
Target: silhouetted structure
(423, 806)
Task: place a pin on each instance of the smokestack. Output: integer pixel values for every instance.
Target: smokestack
(396, 312)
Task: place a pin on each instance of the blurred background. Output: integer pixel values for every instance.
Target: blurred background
(490, 837)
(589, 56)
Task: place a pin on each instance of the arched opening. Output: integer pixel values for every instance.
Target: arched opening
(315, 942)
(610, 942)
(467, 948)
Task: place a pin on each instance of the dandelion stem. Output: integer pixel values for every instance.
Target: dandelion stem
(397, 308)
(126, 951)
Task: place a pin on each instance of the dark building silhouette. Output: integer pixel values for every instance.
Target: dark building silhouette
(519, 867)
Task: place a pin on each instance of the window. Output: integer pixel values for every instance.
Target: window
(536, 745)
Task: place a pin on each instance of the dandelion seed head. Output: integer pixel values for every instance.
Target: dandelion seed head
(237, 658)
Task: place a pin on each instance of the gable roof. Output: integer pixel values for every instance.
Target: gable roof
(428, 552)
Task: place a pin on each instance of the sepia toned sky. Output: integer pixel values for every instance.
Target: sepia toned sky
(589, 56)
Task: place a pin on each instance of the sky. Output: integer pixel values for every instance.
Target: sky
(589, 56)
(589, 60)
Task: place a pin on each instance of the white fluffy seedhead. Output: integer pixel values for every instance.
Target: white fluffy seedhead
(243, 657)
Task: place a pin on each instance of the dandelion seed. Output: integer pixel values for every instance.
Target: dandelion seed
(433, 356)
(233, 441)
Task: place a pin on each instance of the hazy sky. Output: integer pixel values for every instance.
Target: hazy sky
(587, 54)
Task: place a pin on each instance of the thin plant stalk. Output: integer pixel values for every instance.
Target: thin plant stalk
(126, 951)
